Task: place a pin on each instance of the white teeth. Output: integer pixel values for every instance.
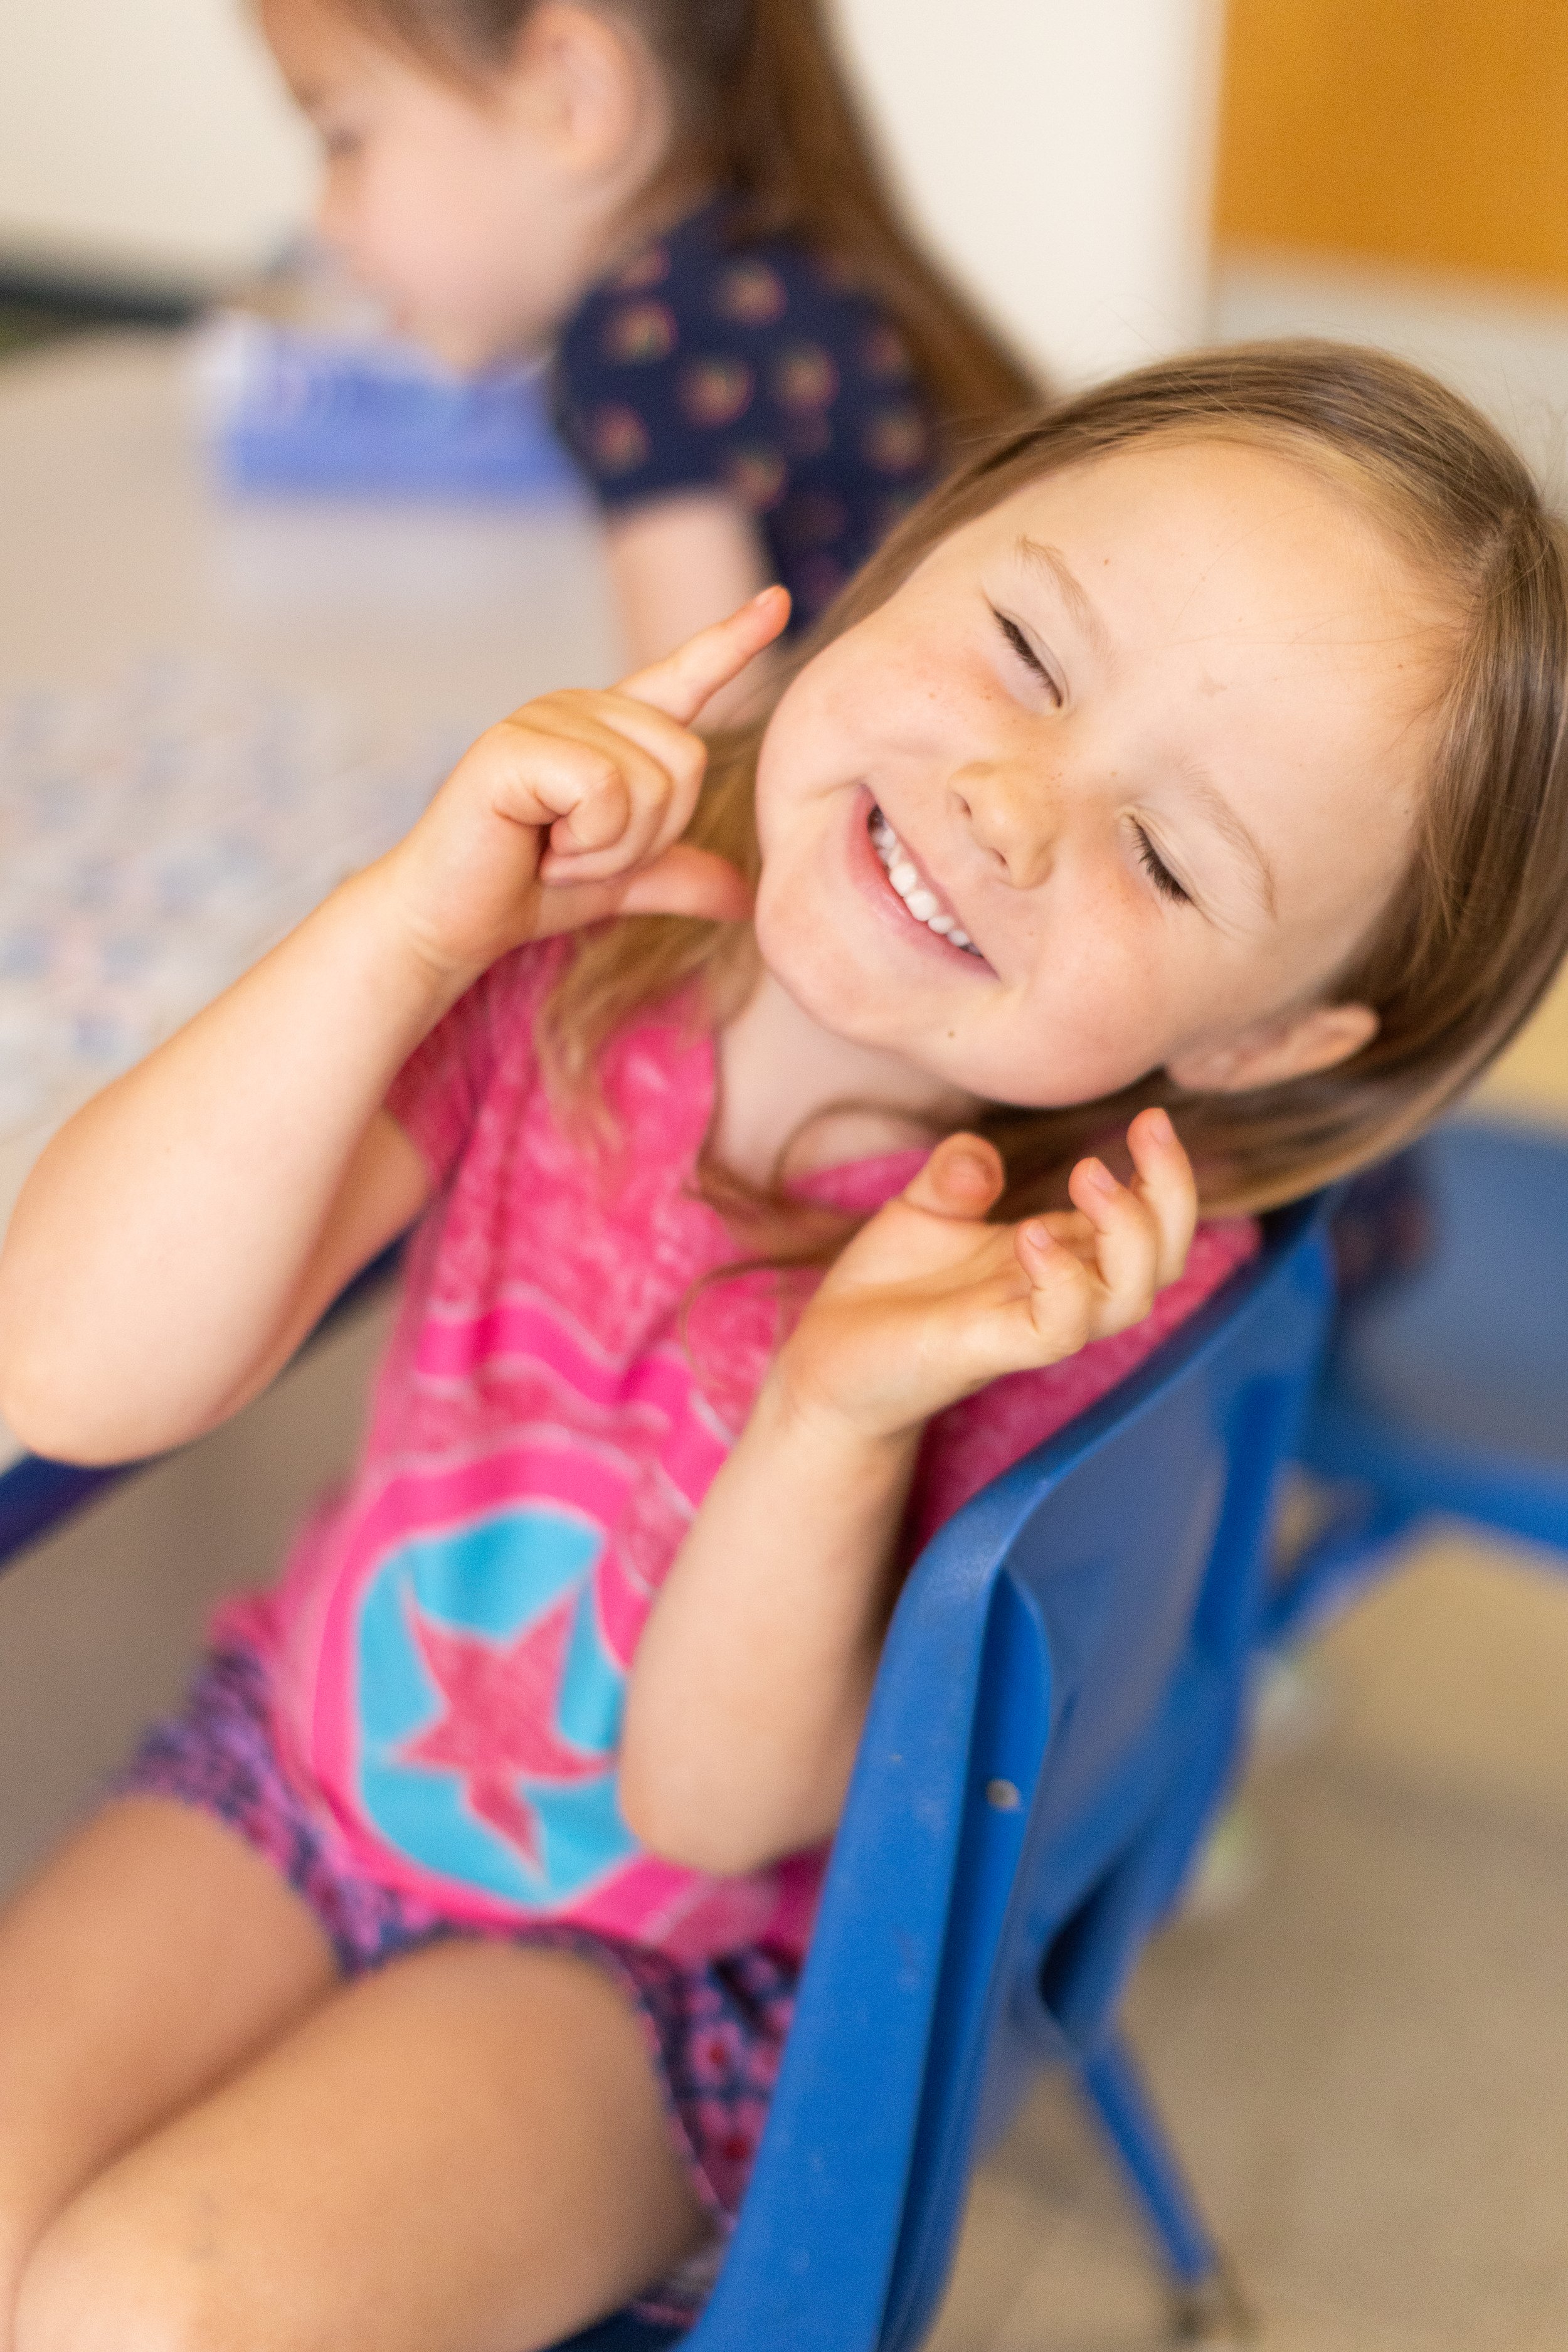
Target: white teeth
(922, 904)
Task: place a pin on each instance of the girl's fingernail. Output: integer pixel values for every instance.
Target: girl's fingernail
(1036, 1235)
(1098, 1175)
(1157, 1127)
(968, 1167)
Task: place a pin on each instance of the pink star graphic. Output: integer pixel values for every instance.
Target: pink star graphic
(500, 1720)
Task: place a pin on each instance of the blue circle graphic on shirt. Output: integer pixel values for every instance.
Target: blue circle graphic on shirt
(491, 1709)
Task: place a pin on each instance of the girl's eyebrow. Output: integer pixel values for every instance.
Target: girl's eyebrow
(1038, 555)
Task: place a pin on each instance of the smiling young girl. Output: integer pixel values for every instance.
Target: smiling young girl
(1189, 770)
(756, 367)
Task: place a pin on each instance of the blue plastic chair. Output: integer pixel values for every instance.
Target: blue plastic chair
(1058, 1713)
(1446, 1392)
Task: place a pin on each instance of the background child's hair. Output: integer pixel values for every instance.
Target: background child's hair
(762, 109)
(1474, 931)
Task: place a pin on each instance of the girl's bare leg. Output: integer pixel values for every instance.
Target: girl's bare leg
(153, 1955)
(462, 2153)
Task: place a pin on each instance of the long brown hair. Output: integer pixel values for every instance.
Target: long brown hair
(1474, 931)
(763, 110)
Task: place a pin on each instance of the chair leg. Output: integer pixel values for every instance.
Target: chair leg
(1207, 2304)
(1365, 1536)
(1217, 2314)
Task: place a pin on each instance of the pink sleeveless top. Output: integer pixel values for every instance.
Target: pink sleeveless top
(450, 1641)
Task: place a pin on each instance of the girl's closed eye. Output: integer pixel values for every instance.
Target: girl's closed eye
(1149, 857)
(1024, 652)
(1157, 870)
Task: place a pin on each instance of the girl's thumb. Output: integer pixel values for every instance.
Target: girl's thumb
(687, 881)
(963, 1177)
(684, 881)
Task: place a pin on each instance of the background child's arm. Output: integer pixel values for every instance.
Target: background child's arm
(751, 1683)
(675, 565)
(179, 1235)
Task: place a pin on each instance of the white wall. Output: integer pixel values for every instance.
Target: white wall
(1058, 153)
(151, 133)
(1055, 151)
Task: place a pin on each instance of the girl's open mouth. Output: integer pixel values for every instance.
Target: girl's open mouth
(919, 899)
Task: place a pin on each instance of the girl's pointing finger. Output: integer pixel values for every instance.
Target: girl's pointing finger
(683, 681)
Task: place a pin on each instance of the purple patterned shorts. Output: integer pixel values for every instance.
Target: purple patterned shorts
(714, 2031)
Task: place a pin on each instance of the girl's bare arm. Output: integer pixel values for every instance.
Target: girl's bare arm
(182, 1232)
(751, 1680)
(179, 1235)
(753, 1677)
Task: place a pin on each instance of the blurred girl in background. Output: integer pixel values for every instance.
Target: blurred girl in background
(756, 366)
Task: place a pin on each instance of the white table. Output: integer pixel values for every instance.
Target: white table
(116, 545)
(113, 539)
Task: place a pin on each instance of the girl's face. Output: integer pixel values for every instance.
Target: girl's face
(1150, 736)
(477, 216)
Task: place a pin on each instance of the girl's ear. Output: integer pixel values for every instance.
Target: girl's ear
(1291, 1046)
(583, 82)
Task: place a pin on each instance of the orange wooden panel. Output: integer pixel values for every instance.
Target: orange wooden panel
(1432, 131)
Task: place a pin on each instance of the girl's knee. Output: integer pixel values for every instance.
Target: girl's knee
(104, 2276)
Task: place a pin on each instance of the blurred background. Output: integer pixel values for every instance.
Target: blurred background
(152, 146)
(1363, 2039)
(1112, 182)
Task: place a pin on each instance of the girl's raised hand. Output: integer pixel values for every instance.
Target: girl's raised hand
(573, 809)
(929, 1303)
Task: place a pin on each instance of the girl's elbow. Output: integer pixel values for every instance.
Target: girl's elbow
(48, 1412)
(36, 1427)
(658, 1824)
(44, 1426)
(674, 1827)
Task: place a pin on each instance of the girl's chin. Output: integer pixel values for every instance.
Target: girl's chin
(826, 985)
(818, 984)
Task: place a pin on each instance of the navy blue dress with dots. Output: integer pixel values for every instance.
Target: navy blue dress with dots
(758, 369)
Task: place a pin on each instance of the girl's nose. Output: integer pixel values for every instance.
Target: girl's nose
(1010, 813)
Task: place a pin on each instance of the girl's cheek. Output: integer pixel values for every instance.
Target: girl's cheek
(799, 753)
(767, 794)
(1098, 995)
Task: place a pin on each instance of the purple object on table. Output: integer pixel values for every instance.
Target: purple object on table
(294, 410)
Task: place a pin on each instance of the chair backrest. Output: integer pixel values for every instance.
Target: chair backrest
(1055, 1718)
